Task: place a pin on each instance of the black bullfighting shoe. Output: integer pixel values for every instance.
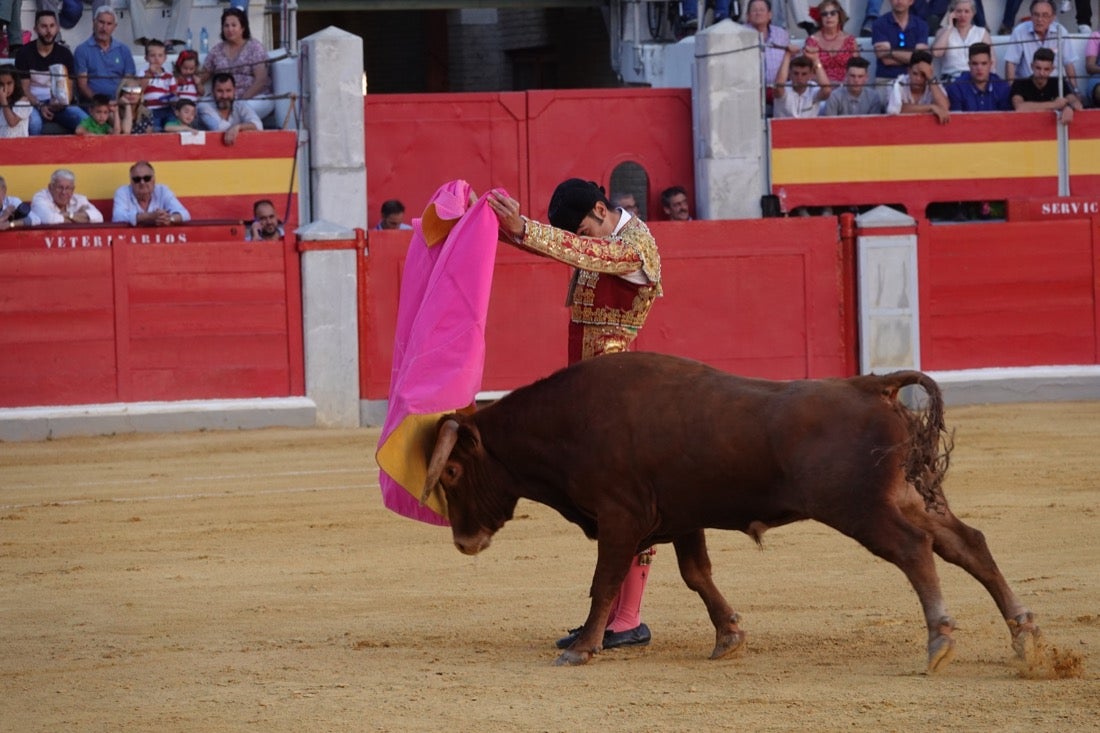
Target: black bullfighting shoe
(638, 636)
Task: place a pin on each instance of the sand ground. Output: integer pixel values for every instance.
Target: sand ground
(252, 581)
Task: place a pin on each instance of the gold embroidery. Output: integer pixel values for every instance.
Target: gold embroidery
(599, 340)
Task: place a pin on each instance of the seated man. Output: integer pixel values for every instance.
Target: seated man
(393, 216)
(979, 90)
(919, 91)
(854, 98)
(674, 200)
(50, 94)
(803, 95)
(146, 202)
(895, 36)
(13, 212)
(58, 203)
(1040, 90)
(226, 114)
(265, 223)
(1042, 31)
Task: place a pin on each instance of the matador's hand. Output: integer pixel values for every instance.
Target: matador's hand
(507, 210)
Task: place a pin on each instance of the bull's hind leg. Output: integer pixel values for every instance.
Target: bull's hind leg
(965, 546)
(894, 538)
(694, 562)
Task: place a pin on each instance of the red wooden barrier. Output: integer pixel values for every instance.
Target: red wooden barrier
(762, 298)
(526, 142)
(1012, 294)
(109, 314)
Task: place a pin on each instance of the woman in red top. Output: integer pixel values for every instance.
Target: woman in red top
(835, 46)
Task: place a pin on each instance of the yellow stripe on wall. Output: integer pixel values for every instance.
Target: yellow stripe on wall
(1084, 157)
(186, 178)
(953, 161)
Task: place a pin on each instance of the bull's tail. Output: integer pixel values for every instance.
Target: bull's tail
(928, 453)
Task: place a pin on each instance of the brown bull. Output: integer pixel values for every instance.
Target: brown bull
(639, 449)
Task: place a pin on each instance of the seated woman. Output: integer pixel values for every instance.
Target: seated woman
(245, 58)
(952, 43)
(834, 46)
(134, 118)
(15, 111)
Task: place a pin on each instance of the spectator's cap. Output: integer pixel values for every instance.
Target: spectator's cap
(571, 202)
(104, 9)
(69, 13)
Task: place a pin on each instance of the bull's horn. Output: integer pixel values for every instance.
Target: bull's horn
(444, 442)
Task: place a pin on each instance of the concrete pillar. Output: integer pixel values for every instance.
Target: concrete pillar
(330, 322)
(889, 302)
(333, 62)
(727, 111)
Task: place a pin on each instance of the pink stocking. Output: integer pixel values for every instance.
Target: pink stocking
(627, 607)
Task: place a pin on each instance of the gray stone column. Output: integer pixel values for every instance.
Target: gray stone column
(889, 302)
(333, 62)
(728, 122)
(330, 322)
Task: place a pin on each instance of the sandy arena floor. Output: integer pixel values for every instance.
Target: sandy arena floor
(252, 581)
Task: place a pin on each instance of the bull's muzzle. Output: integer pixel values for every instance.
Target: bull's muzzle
(473, 545)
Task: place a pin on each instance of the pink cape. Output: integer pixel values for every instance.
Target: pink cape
(439, 343)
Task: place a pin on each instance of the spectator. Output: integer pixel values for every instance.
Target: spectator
(14, 110)
(59, 203)
(13, 212)
(689, 18)
(674, 200)
(134, 117)
(1092, 52)
(245, 58)
(834, 47)
(774, 39)
(186, 67)
(265, 224)
(979, 90)
(11, 30)
(101, 61)
(159, 84)
(1083, 15)
(102, 118)
(145, 202)
(955, 38)
(625, 201)
(393, 216)
(803, 95)
(854, 98)
(1041, 90)
(895, 37)
(183, 116)
(1041, 31)
(226, 114)
(39, 85)
(919, 91)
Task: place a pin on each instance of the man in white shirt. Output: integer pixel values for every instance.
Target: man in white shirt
(802, 96)
(59, 203)
(919, 91)
(1042, 31)
(226, 114)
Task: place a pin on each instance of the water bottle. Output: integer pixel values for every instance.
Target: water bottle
(188, 45)
(204, 41)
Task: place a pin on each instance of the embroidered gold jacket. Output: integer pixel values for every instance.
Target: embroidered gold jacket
(594, 298)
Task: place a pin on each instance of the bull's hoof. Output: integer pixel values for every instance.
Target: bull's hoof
(1025, 635)
(572, 658)
(728, 643)
(941, 651)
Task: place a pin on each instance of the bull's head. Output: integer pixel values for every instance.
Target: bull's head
(460, 467)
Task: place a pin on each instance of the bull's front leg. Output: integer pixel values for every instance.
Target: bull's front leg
(694, 562)
(612, 564)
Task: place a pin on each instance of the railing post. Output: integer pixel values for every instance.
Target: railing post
(330, 322)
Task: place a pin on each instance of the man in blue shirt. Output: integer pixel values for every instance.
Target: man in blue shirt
(895, 37)
(101, 61)
(146, 202)
(979, 90)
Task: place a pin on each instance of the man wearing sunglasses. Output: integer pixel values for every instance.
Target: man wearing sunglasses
(145, 202)
(895, 37)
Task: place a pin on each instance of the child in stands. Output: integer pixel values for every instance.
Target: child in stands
(159, 83)
(187, 86)
(184, 118)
